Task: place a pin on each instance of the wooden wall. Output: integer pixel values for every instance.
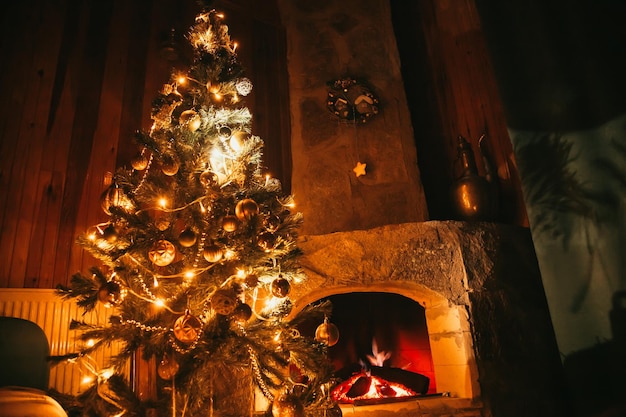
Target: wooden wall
(452, 91)
(78, 76)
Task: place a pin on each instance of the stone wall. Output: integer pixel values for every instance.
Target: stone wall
(488, 322)
(330, 40)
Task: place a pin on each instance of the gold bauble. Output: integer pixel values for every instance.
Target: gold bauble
(266, 241)
(187, 328)
(111, 294)
(287, 406)
(327, 333)
(230, 223)
(238, 139)
(280, 287)
(168, 367)
(271, 223)
(213, 253)
(191, 119)
(139, 161)
(162, 253)
(242, 313)
(224, 301)
(114, 196)
(187, 238)
(209, 180)
(246, 209)
(169, 165)
(225, 132)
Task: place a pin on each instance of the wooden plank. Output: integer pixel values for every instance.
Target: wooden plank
(29, 228)
(89, 85)
(105, 138)
(14, 87)
(18, 210)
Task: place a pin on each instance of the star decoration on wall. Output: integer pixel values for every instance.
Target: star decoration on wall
(359, 169)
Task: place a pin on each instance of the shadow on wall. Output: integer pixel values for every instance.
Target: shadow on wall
(596, 375)
(575, 190)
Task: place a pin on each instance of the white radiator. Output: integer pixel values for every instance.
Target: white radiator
(54, 314)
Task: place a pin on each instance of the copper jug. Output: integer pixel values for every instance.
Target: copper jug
(472, 194)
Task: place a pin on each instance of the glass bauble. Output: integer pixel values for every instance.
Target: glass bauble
(280, 287)
(162, 253)
(246, 209)
(187, 328)
(327, 333)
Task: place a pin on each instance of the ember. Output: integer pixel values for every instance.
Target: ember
(363, 386)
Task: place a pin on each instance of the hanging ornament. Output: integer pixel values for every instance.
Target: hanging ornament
(212, 253)
(327, 333)
(244, 86)
(238, 139)
(187, 238)
(111, 294)
(225, 133)
(242, 313)
(287, 406)
(230, 223)
(169, 165)
(280, 287)
(224, 301)
(187, 328)
(246, 209)
(114, 196)
(191, 119)
(271, 223)
(139, 161)
(162, 253)
(266, 241)
(209, 180)
(168, 367)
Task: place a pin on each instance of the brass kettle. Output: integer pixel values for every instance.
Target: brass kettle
(473, 197)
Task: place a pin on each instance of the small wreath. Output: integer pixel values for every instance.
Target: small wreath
(351, 101)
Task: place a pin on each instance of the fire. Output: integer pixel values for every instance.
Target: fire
(362, 386)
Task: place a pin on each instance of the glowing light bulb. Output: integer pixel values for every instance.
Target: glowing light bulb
(217, 96)
(159, 302)
(107, 373)
(235, 45)
(90, 343)
(155, 282)
(182, 79)
(163, 202)
(87, 380)
(189, 274)
(241, 273)
(229, 254)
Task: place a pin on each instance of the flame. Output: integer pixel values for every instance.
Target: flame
(378, 388)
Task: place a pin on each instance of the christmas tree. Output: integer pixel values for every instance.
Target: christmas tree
(198, 258)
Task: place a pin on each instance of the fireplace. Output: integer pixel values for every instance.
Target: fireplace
(458, 282)
(382, 336)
